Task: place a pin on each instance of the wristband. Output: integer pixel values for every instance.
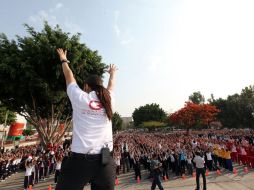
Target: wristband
(65, 61)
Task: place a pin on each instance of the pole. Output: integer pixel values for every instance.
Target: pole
(5, 124)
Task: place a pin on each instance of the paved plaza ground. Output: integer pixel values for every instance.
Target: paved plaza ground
(225, 181)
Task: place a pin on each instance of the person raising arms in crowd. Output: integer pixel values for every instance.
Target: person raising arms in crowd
(92, 143)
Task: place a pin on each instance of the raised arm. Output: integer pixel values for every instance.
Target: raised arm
(69, 78)
(111, 81)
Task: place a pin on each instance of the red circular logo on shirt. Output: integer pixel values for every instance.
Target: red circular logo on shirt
(95, 105)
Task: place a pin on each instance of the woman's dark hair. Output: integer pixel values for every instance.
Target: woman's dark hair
(95, 83)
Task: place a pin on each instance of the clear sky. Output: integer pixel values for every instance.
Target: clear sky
(165, 50)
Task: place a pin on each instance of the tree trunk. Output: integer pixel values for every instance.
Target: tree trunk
(49, 131)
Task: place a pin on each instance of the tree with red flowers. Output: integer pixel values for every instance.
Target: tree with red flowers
(194, 115)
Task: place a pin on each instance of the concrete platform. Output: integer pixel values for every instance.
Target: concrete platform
(225, 181)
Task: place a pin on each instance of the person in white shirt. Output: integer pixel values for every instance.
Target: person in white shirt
(118, 163)
(200, 170)
(58, 168)
(28, 174)
(92, 144)
(189, 163)
(172, 161)
(209, 160)
(194, 144)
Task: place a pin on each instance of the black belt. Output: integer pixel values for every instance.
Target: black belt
(81, 155)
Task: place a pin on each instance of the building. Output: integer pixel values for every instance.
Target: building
(15, 130)
(127, 122)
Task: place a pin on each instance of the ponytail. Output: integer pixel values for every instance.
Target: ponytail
(95, 83)
(105, 99)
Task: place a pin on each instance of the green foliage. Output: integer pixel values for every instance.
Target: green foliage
(31, 78)
(30, 72)
(6, 114)
(197, 98)
(237, 111)
(117, 122)
(27, 132)
(149, 112)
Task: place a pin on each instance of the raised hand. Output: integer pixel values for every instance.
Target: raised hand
(112, 69)
(111, 82)
(62, 54)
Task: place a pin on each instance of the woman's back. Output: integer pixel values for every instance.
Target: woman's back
(91, 127)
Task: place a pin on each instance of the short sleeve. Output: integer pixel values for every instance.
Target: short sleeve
(74, 92)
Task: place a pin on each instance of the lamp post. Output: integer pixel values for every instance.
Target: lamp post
(5, 124)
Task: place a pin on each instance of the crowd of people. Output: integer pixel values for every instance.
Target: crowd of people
(176, 150)
(133, 151)
(39, 163)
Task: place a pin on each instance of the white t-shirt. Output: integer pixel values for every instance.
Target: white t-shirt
(209, 156)
(58, 165)
(189, 160)
(91, 128)
(33, 168)
(172, 159)
(117, 161)
(29, 171)
(199, 161)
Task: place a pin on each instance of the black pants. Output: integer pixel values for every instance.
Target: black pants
(126, 165)
(190, 168)
(57, 173)
(32, 179)
(165, 172)
(27, 181)
(215, 159)
(36, 177)
(41, 173)
(137, 172)
(52, 168)
(46, 172)
(118, 170)
(200, 171)
(182, 166)
(79, 169)
(156, 181)
(210, 164)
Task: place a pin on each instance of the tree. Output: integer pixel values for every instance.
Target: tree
(6, 116)
(27, 132)
(149, 112)
(237, 111)
(211, 99)
(31, 78)
(192, 115)
(197, 98)
(117, 122)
